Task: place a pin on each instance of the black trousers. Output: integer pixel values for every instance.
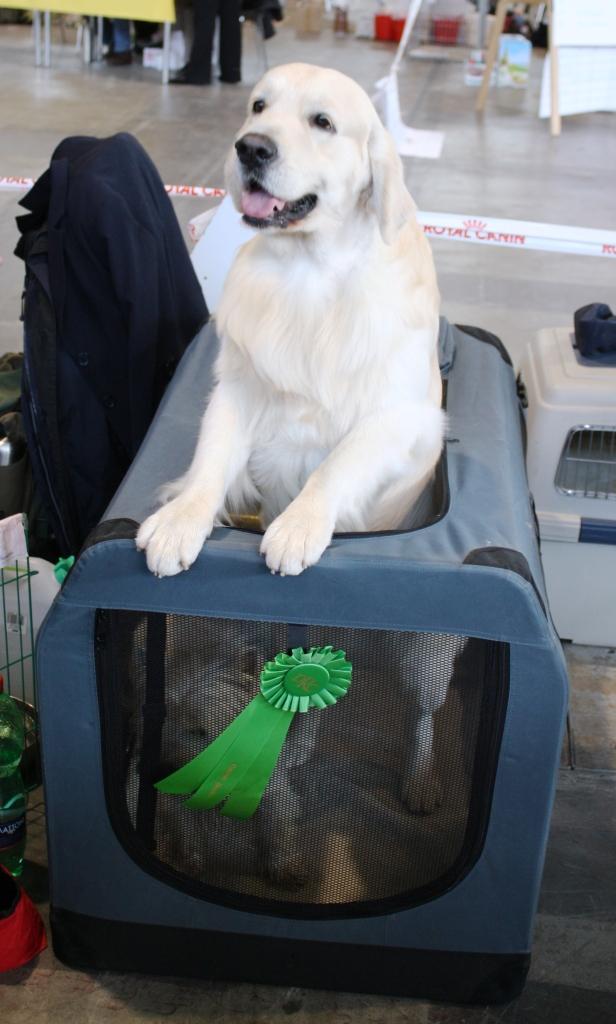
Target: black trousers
(205, 12)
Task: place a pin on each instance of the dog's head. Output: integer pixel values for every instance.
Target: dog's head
(313, 153)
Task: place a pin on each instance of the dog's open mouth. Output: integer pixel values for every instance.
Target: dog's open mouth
(263, 210)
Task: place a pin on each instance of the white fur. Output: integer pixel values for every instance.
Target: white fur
(326, 411)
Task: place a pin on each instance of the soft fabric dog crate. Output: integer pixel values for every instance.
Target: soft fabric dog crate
(367, 867)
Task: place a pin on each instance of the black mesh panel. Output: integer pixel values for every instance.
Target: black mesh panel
(378, 802)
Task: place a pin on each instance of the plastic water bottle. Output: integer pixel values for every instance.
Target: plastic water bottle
(13, 798)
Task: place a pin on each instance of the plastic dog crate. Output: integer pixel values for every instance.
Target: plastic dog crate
(572, 474)
(400, 843)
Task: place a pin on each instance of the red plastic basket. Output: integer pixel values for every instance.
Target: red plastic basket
(446, 30)
(382, 27)
(397, 28)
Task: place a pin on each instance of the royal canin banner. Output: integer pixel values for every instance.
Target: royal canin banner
(192, 191)
(19, 184)
(455, 227)
(518, 234)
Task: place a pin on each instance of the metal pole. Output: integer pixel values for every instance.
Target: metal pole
(36, 25)
(87, 40)
(47, 38)
(483, 13)
(99, 39)
(409, 24)
(166, 51)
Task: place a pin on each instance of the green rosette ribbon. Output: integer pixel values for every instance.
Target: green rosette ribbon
(235, 769)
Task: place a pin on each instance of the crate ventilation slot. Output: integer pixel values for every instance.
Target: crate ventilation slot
(587, 467)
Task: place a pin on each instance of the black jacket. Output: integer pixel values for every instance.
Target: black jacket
(125, 304)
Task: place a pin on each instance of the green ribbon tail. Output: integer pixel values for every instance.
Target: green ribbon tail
(235, 769)
(189, 777)
(239, 758)
(249, 790)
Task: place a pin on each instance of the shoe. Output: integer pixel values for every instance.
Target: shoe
(118, 59)
(230, 79)
(154, 41)
(139, 47)
(183, 77)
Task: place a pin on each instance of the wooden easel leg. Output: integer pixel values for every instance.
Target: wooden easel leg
(497, 28)
(554, 95)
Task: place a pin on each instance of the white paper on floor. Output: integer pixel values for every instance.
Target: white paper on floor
(409, 141)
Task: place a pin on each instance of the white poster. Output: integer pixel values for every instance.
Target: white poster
(584, 23)
(586, 80)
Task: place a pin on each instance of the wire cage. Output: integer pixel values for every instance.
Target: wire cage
(17, 662)
(587, 467)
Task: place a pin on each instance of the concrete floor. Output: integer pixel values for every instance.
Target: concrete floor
(506, 165)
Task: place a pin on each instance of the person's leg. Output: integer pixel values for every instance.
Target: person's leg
(121, 51)
(199, 67)
(229, 12)
(146, 34)
(121, 35)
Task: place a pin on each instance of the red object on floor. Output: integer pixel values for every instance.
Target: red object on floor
(382, 27)
(22, 932)
(446, 30)
(397, 28)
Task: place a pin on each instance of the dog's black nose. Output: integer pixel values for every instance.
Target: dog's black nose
(255, 150)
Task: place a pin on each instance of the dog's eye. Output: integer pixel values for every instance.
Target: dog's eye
(258, 106)
(323, 122)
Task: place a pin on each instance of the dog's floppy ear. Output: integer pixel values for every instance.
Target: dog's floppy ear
(389, 198)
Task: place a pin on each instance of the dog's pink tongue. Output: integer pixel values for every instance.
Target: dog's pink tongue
(260, 204)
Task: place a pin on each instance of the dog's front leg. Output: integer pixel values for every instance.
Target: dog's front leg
(427, 671)
(282, 815)
(173, 536)
(400, 442)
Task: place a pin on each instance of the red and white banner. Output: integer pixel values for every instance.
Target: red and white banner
(192, 191)
(456, 227)
(18, 184)
(518, 234)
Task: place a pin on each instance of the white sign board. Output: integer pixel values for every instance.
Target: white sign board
(586, 80)
(584, 23)
(584, 47)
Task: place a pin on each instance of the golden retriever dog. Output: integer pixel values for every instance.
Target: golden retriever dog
(326, 413)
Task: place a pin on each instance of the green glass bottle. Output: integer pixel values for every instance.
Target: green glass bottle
(13, 797)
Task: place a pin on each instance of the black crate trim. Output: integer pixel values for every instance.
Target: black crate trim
(92, 943)
(490, 339)
(506, 558)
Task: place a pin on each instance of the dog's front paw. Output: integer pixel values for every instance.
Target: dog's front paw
(297, 538)
(422, 792)
(173, 537)
(290, 871)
